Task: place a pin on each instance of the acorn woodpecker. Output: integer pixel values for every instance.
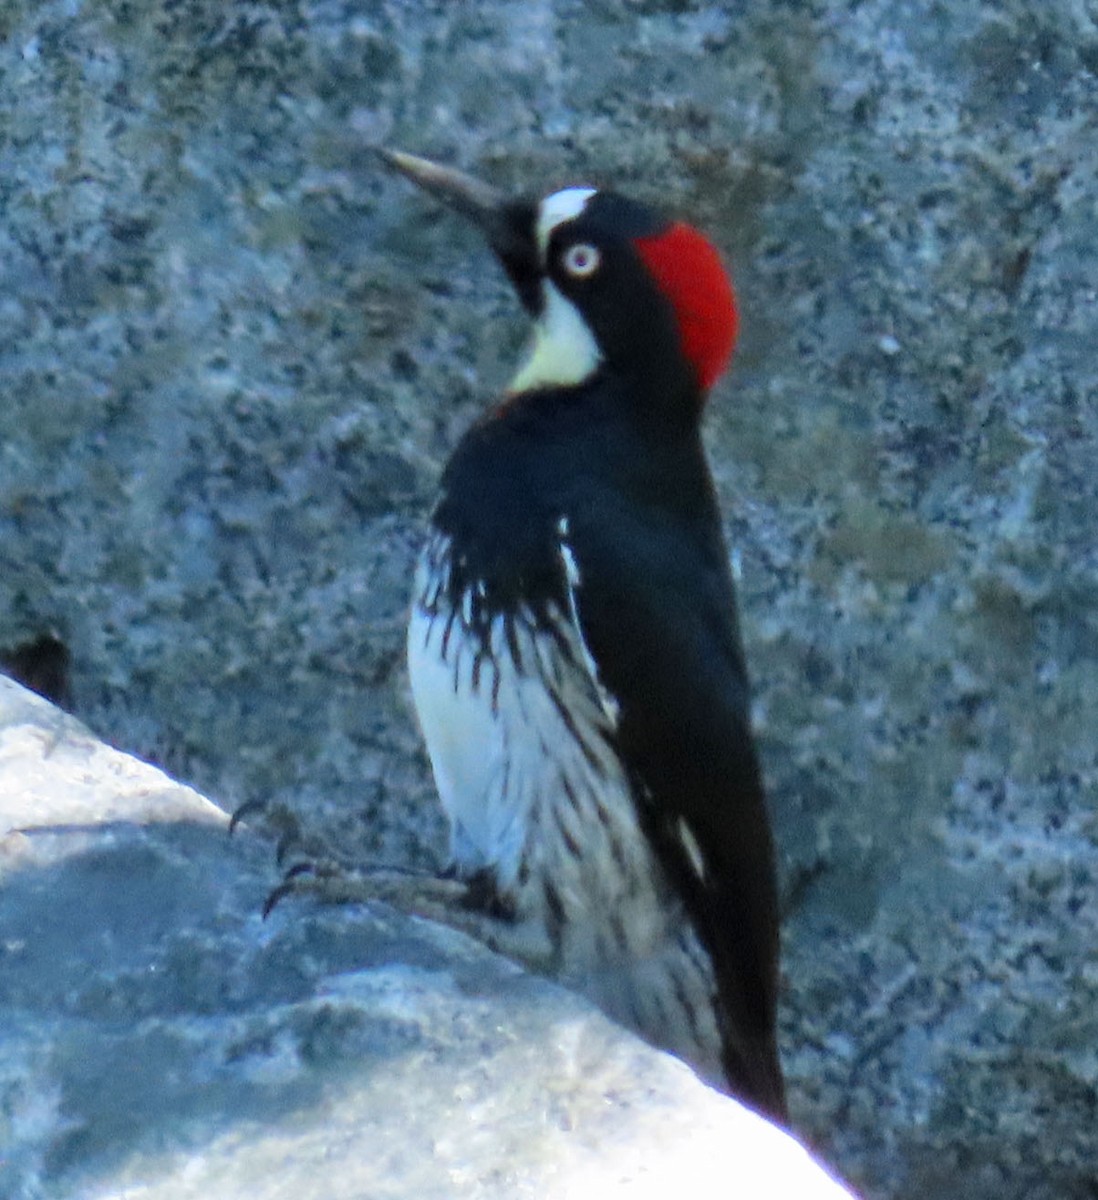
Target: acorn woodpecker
(574, 650)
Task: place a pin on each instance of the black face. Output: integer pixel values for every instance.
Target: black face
(592, 259)
(594, 262)
(608, 223)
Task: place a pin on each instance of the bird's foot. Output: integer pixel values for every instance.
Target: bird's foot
(472, 904)
(417, 892)
(445, 901)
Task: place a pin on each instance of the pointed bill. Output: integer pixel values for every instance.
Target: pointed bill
(507, 223)
(474, 199)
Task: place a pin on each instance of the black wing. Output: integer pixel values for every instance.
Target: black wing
(654, 599)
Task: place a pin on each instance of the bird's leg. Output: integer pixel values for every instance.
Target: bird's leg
(418, 892)
(474, 908)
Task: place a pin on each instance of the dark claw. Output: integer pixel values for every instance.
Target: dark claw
(277, 817)
(278, 894)
(245, 810)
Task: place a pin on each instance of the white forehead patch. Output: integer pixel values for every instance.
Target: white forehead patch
(562, 206)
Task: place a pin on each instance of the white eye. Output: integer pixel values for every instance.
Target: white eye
(581, 260)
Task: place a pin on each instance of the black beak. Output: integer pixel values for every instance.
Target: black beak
(507, 223)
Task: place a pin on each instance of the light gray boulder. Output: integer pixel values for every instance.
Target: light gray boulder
(158, 1039)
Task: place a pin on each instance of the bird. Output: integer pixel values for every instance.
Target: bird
(574, 650)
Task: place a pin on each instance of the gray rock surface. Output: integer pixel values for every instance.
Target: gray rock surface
(233, 357)
(159, 1040)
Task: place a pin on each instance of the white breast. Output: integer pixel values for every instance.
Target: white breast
(519, 739)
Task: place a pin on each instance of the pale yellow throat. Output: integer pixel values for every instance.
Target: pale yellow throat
(564, 350)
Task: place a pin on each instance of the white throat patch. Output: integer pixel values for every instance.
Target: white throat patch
(564, 350)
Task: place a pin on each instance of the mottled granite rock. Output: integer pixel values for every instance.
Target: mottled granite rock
(159, 1040)
(233, 357)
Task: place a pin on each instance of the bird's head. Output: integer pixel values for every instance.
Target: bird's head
(610, 283)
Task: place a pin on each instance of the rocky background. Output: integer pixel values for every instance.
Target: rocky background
(233, 356)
